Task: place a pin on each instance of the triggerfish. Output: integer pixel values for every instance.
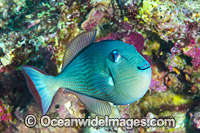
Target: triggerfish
(97, 73)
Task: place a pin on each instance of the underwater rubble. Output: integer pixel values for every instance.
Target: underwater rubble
(166, 33)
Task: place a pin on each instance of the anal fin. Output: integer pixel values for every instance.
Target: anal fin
(96, 106)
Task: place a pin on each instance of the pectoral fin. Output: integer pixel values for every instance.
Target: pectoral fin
(96, 106)
(103, 82)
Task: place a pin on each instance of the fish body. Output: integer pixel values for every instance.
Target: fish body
(97, 73)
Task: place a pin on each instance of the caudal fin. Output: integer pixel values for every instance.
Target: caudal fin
(42, 86)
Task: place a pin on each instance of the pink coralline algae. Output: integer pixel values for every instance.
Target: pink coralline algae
(157, 86)
(124, 111)
(96, 16)
(175, 50)
(128, 35)
(194, 52)
(157, 81)
(5, 114)
(136, 39)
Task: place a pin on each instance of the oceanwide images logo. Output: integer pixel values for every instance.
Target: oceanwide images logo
(46, 121)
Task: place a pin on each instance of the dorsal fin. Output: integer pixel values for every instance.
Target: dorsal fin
(76, 45)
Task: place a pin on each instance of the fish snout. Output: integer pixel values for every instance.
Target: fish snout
(144, 66)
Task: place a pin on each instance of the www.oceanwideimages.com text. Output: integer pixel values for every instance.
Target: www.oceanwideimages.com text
(46, 121)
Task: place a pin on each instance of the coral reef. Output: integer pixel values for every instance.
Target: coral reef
(166, 33)
(5, 116)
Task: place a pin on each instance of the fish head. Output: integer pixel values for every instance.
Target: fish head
(131, 72)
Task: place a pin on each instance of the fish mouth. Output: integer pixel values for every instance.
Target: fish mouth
(144, 67)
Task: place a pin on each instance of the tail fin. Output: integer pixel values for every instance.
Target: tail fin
(42, 86)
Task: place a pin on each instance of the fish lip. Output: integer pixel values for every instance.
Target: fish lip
(143, 68)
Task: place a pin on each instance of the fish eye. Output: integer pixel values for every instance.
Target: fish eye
(114, 56)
